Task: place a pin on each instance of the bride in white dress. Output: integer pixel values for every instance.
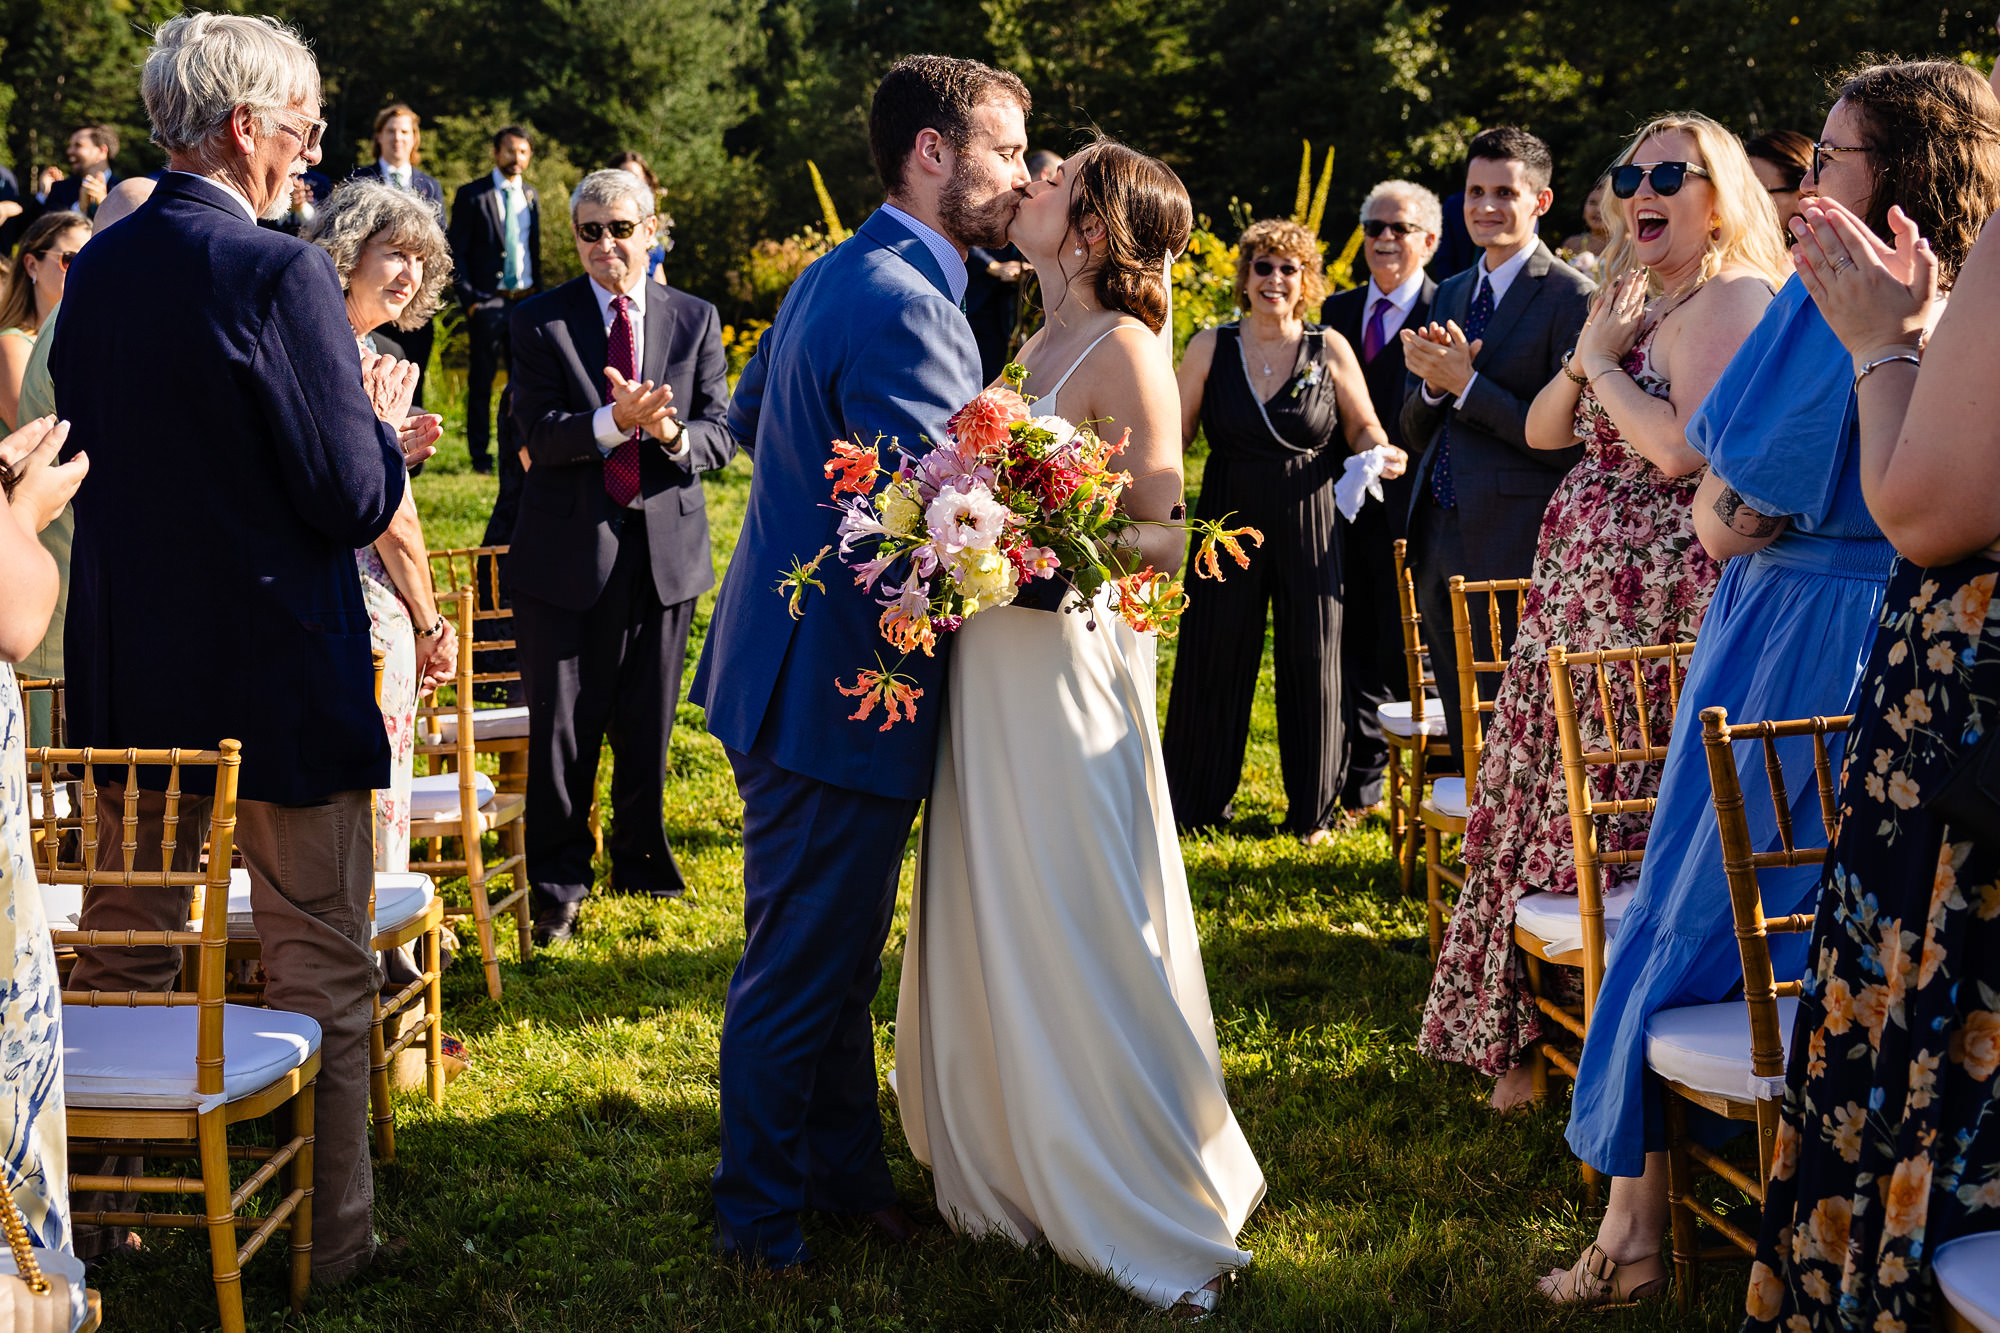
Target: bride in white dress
(1056, 1059)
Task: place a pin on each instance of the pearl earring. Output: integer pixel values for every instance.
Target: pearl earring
(1079, 252)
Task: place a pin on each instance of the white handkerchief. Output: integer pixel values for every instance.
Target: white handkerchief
(1359, 478)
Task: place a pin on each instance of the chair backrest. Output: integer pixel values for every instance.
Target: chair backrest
(1416, 658)
(462, 606)
(210, 885)
(490, 655)
(1471, 700)
(37, 694)
(1654, 708)
(1741, 861)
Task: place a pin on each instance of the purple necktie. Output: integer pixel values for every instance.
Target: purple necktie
(621, 465)
(1371, 337)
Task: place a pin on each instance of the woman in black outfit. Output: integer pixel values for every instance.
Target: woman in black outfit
(1272, 392)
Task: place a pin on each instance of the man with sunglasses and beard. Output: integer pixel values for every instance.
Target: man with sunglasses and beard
(1497, 334)
(619, 392)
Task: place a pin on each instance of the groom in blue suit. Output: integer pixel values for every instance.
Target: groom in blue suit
(871, 341)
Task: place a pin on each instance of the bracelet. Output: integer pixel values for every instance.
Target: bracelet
(1882, 361)
(1581, 381)
(434, 630)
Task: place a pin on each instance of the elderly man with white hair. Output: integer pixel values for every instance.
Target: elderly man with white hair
(620, 398)
(243, 459)
(1401, 222)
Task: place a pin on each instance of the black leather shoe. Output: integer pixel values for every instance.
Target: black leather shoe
(555, 924)
(894, 1225)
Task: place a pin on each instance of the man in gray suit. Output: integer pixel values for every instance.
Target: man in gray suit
(1507, 321)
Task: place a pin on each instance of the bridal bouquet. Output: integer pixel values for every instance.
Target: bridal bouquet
(1008, 498)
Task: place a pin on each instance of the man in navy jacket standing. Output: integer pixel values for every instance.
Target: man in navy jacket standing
(247, 446)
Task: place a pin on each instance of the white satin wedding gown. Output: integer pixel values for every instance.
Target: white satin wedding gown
(1056, 1062)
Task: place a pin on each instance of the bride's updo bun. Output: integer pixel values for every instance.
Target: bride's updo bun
(1146, 216)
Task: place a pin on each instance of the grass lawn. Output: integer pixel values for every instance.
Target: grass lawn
(564, 1183)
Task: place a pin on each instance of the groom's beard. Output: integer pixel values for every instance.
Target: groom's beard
(972, 224)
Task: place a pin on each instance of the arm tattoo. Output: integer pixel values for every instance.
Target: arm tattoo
(1742, 520)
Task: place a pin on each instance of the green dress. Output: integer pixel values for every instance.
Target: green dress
(38, 399)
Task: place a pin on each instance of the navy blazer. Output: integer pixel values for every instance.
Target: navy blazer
(422, 184)
(1346, 313)
(868, 342)
(477, 256)
(235, 468)
(566, 536)
(66, 195)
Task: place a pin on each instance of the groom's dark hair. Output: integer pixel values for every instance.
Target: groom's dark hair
(931, 93)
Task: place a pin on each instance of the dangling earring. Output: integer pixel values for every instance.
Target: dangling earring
(1079, 252)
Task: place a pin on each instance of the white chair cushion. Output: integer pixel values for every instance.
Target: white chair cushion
(145, 1057)
(62, 905)
(1394, 719)
(1707, 1046)
(61, 802)
(1555, 919)
(435, 795)
(488, 724)
(1448, 795)
(1968, 1273)
(400, 896)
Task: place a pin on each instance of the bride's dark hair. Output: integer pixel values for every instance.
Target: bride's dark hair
(1146, 216)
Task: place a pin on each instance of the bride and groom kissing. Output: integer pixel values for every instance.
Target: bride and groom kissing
(1056, 1062)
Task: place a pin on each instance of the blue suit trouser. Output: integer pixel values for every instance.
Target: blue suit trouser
(801, 1126)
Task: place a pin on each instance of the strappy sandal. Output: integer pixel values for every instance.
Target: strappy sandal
(1598, 1283)
(1195, 1306)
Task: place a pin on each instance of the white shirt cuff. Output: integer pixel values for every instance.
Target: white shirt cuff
(678, 450)
(1459, 402)
(1432, 398)
(605, 427)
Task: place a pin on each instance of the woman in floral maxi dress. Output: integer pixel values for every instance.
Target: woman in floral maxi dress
(1617, 565)
(1889, 1138)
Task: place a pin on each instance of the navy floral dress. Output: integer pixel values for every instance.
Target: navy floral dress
(1889, 1144)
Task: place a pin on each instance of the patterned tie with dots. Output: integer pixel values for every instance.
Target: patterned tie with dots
(1442, 490)
(621, 465)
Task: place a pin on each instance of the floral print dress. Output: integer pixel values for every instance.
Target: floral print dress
(1889, 1142)
(1617, 566)
(32, 1123)
(391, 634)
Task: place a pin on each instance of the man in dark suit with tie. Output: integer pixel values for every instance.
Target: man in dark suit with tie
(398, 134)
(261, 467)
(1402, 222)
(496, 254)
(620, 395)
(1498, 335)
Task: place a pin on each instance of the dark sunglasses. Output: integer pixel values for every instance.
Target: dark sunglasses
(1668, 177)
(1374, 227)
(61, 256)
(593, 232)
(1263, 268)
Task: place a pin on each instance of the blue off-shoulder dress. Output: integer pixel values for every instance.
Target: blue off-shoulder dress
(1787, 636)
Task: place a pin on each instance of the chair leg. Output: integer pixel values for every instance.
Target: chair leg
(516, 838)
(212, 1135)
(1680, 1183)
(1413, 797)
(302, 1182)
(482, 920)
(1538, 1064)
(1593, 1186)
(1396, 830)
(1433, 895)
(379, 1100)
(434, 1017)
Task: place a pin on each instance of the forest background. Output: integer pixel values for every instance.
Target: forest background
(729, 99)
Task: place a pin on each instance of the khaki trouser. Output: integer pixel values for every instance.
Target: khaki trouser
(310, 867)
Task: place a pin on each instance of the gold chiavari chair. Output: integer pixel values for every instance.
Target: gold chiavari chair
(1729, 1058)
(163, 1074)
(468, 806)
(45, 698)
(1413, 730)
(1443, 813)
(1571, 929)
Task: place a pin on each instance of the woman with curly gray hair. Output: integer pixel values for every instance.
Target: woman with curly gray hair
(394, 268)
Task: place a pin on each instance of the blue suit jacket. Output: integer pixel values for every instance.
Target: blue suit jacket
(867, 342)
(233, 472)
(422, 184)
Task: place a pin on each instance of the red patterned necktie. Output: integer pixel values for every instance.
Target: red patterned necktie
(621, 466)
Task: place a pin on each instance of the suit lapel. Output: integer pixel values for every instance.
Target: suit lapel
(496, 211)
(586, 334)
(659, 333)
(1521, 294)
(1420, 309)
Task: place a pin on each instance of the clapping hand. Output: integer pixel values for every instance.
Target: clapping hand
(1878, 299)
(417, 437)
(37, 486)
(640, 405)
(1617, 314)
(1441, 356)
(48, 178)
(391, 385)
(93, 189)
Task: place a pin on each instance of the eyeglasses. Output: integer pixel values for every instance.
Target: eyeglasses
(1263, 268)
(310, 137)
(61, 257)
(593, 232)
(1374, 227)
(1668, 177)
(1823, 151)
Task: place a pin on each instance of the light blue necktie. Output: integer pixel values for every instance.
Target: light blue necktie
(510, 272)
